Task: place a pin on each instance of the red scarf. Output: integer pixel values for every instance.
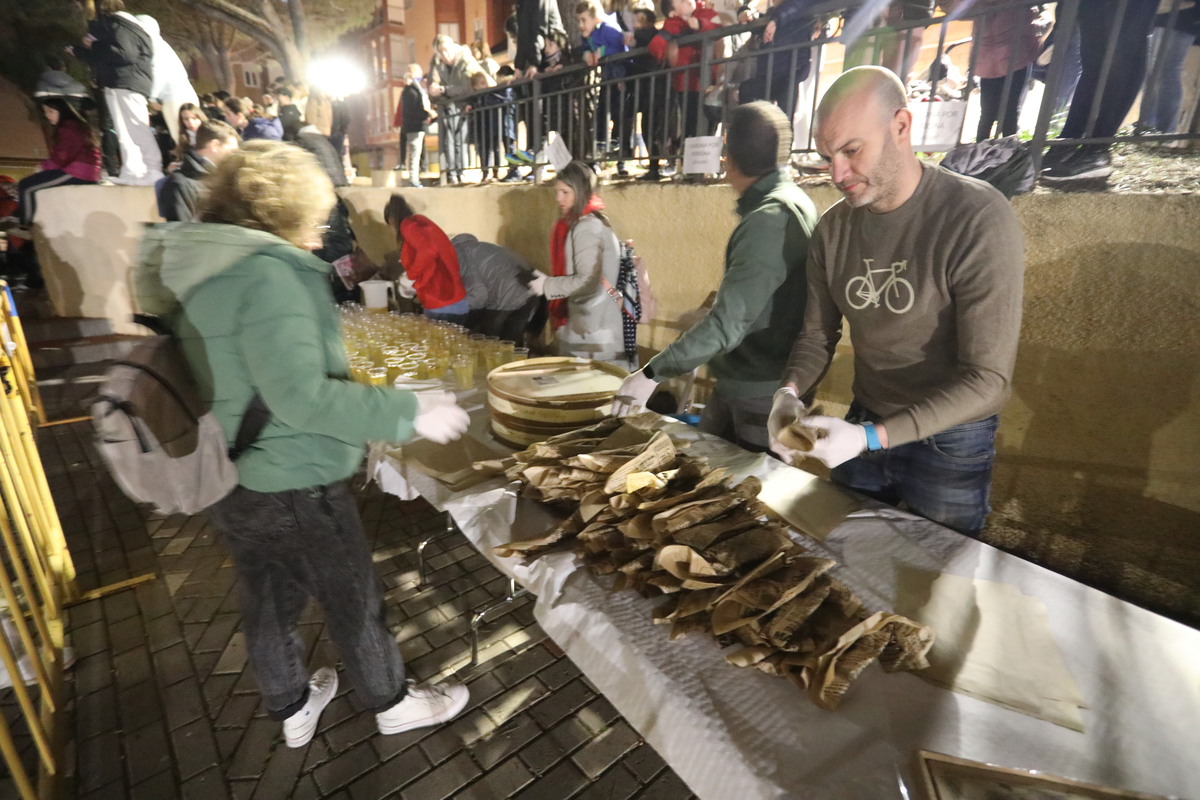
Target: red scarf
(558, 256)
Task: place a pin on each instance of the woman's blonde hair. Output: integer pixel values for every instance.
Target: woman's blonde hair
(269, 186)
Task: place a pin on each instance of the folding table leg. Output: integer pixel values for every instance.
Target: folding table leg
(514, 592)
(450, 528)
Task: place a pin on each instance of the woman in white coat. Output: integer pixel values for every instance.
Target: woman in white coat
(172, 87)
(585, 258)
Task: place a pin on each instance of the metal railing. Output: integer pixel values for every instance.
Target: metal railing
(605, 117)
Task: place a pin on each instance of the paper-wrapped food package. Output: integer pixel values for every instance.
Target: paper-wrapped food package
(662, 523)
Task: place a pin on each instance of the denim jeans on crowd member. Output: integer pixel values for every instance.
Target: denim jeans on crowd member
(452, 140)
(415, 142)
(1163, 93)
(741, 420)
(287, 547)
(991, 95)
(1097, 23)
(946, 478)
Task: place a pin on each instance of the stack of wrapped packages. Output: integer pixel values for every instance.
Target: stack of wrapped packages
(663, 523)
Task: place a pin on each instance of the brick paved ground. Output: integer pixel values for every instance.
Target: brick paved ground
(163, 705)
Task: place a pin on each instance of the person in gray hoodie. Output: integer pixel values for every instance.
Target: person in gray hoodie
(496, 281)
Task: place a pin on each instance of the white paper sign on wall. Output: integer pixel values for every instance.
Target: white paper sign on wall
(937, 126)
(557, 152)
(702, 154)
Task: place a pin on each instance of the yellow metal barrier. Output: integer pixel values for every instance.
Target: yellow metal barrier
(37, 575)
(18, 351)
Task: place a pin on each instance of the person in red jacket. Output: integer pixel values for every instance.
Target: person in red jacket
(74, 156)
(430, 263)
(686, 18)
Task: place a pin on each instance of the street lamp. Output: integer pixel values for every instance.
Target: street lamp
(336, 76)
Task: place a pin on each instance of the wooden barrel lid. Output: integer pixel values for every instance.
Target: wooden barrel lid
(556, 382)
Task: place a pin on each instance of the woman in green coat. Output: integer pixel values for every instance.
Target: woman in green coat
(252, 308)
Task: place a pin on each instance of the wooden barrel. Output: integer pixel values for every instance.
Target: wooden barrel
(534, 399)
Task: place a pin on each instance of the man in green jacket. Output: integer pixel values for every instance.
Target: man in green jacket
(746, 337)
(254, 316)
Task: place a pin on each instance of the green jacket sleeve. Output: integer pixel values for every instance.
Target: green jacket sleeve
(280, 334)
(822, 329)
(756, 265)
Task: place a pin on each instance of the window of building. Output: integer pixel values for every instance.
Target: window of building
(400, 56)
(250, 77)
(450, 29)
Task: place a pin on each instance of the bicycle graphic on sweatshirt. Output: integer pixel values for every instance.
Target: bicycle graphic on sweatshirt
(896, 292)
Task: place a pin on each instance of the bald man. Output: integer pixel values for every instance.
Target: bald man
(927, 266)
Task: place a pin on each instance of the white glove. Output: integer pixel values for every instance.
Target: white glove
(439, 419)
(786, 408)
(633, 394)
(407, 287)
(537, 286)
(842, 442)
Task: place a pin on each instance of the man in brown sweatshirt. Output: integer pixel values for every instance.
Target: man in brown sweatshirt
(927, 266)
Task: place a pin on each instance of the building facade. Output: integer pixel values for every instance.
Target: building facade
(400, 34)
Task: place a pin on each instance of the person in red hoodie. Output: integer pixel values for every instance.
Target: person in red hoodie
(430, 263)
(74, 156)
(686, 18)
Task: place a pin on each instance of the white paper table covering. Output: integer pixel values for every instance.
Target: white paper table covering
(741, 735)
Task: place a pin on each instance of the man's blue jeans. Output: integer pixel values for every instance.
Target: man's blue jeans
(945, 478)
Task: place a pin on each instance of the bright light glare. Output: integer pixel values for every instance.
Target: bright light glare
(336, 76)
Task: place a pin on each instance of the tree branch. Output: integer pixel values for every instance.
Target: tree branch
(299, 24)
(256, 27)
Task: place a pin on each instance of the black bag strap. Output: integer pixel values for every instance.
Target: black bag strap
(253, 421)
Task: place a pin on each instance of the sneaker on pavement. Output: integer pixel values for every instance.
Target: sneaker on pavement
(1086, 163)
(423, 706)
(298, 729)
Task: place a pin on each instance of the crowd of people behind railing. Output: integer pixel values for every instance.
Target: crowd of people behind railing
(635, 85)
(631, 87)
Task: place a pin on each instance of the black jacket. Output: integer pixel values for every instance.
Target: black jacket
(318, 144)
(793, 25)
(413, 116)
(177, 200)
(341, 121)
(535, 20)
(122, 57)
(289, 117)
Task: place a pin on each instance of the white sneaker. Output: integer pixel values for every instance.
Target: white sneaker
(298, 729)
(423, 706)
